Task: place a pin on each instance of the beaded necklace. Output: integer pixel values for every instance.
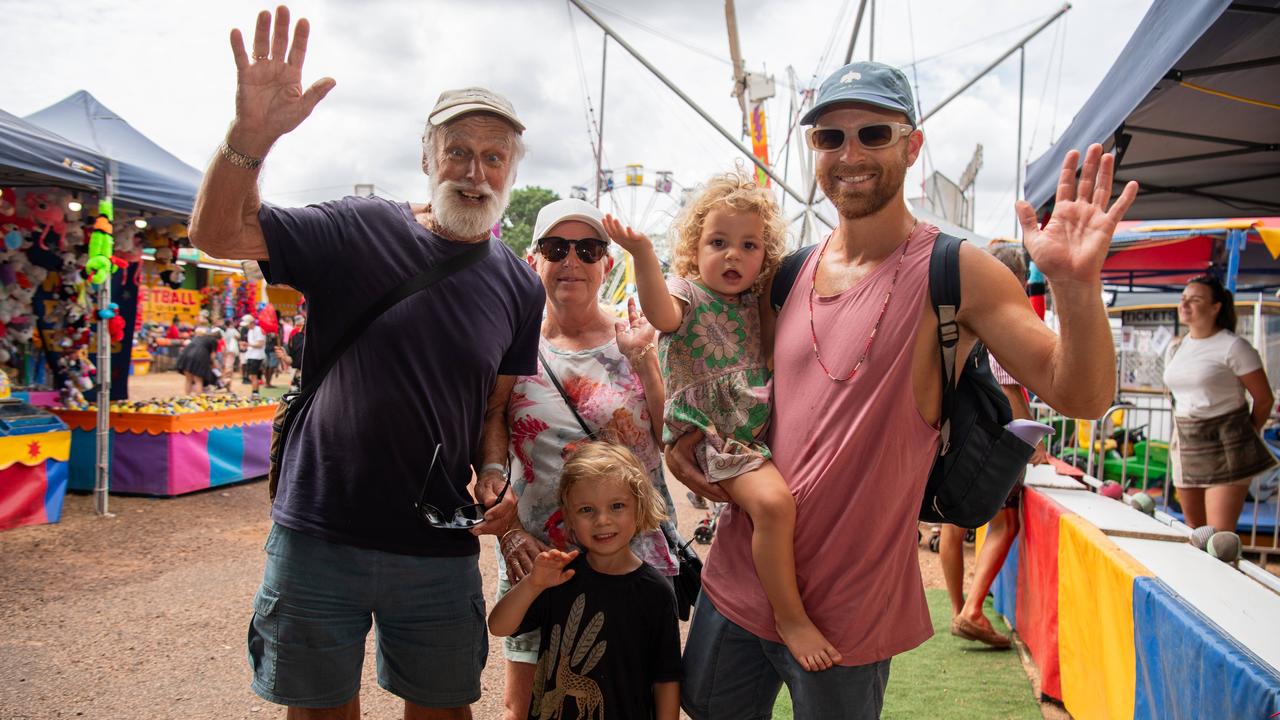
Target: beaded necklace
(813, 331)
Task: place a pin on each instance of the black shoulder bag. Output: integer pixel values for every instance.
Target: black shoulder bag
(689, 582)
(979, 461)
(292, 403)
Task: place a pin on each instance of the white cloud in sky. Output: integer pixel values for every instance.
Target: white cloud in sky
(166, 67)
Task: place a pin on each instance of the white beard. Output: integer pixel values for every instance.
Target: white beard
(463, 221)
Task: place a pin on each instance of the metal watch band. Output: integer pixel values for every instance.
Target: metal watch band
(239, 159)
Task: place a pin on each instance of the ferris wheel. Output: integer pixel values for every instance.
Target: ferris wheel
(646, 202)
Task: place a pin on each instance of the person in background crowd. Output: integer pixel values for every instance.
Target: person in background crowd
(271, 361)
(196, 362)
(255, 355)
(1212, 374)
(967, 618)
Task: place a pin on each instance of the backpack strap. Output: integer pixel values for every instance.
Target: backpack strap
(944, 293)
(786, 276)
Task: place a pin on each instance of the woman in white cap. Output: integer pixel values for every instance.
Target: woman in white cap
(609, 372)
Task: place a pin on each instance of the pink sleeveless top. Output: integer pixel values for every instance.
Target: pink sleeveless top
(856, 455)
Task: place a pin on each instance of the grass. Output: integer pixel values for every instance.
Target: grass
(950, 677)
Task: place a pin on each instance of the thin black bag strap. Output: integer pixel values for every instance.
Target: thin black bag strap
(786, 276)
(564, 395)
(417, 283)
(944, 293)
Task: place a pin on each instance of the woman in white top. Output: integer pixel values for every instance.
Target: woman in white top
(1216, 446)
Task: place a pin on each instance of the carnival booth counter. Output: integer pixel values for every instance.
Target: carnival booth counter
(1125, 618)
(34, 449)
(173, 447)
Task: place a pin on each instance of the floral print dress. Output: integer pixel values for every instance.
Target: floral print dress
(610, 397)
(717, 380)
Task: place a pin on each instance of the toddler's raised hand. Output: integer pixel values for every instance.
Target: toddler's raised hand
(630, 240)
(548, 568)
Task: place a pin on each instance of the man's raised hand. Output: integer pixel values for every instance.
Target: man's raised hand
(1073, 245)
(270, 100)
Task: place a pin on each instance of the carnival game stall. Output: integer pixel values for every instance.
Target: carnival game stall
(173, 447)
(1125, 618)
(34, 448)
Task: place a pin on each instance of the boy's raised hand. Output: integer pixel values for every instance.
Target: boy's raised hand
(630, 240)
(548, 568)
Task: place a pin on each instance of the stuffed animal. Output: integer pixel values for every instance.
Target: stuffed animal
(44, 213)
(99, 264)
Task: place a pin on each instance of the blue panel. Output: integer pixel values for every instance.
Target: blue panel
(55, 489)
(1004, 591)
(1187, 667)
(82, 460)
(226, 450)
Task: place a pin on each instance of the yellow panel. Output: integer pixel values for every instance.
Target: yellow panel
(1095, 621)
(32, 450)
(981, 537)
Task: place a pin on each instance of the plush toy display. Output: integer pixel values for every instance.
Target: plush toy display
(99, 265)
(186, 404)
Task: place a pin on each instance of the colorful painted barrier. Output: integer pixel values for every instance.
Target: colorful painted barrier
(173, 454)
(33, 478)
(1124, 621)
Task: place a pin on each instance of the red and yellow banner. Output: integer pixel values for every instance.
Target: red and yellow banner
(759, 141)
(160, 304)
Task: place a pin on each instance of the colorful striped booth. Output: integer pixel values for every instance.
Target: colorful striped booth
(33, 477)
(173, 454)
(1126, 619)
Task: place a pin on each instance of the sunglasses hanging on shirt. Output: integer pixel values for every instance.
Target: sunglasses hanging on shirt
(465, 517)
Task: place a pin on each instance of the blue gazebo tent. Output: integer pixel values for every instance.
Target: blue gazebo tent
(147, 177)
(31, 156)
(1190, 108)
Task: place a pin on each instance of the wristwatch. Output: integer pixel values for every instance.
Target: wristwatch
(239, 159)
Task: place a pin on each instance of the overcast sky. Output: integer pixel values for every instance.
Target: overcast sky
(166, 67)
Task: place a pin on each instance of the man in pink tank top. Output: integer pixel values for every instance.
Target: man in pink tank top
(857, 397)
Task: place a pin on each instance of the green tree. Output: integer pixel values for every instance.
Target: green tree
(522, 211)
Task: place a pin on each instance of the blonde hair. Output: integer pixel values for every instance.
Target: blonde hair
(598, 461)
(735, 190)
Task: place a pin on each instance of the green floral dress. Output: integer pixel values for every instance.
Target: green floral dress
(717, 380)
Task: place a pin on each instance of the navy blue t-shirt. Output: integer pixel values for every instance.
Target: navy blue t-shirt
(358, 453)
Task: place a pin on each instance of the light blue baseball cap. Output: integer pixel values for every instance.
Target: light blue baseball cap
(871, 83)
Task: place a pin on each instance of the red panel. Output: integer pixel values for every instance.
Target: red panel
(1037, 609)
(22, 491)
(1195, 252)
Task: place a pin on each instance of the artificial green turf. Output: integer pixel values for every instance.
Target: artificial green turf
(952, 678)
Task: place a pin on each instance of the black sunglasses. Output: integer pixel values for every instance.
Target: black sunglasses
(465, 517)
(589, 250)
(875, 137)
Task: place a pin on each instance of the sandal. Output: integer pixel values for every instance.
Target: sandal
(961, 627)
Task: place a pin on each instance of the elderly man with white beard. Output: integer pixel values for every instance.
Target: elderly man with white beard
(373, 521)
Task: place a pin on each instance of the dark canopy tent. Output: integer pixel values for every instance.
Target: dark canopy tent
(147, 177)
(33, 156)
(1192, 109)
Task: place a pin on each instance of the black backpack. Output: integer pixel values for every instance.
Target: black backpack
(979, 461)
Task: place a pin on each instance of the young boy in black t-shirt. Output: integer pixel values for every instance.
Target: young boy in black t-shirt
(610, 638)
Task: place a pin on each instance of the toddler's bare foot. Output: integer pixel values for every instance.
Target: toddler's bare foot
(807, 644)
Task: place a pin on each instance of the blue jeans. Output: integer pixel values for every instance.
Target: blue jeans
(318, 601)
(730, 674)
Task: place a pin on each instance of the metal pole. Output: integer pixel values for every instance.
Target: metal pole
(604, 56)
(1017, 175)
(871, 55)
(997, 61)
(853, 39)
(697, 108)
(102, 468)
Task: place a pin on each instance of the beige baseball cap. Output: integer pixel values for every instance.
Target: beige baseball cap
(456, 103)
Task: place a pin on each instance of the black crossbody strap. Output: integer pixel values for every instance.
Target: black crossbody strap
(556, 381)
(415, 284)
(944, 293)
